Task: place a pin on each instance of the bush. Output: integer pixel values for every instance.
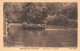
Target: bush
(24, 24)
(72, 24)
(58, 20)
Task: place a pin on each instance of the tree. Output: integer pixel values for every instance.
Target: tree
(70, 10)
(33, 13)
(12, 11)
(58, 20)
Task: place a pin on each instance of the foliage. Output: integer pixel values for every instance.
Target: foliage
(58, 20)
(33, 13)
(38, 12)
(72, 23)
(70, 10)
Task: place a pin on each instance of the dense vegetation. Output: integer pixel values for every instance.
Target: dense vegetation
(39, 13)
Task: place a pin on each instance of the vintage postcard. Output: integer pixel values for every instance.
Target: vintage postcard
(39, 25)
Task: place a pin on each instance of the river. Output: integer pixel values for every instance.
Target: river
(19, 37)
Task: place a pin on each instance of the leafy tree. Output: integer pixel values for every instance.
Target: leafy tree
(70, 10)
(33, 13)
(58, 20)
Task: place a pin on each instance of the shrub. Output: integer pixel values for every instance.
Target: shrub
(58, 20)
(72, 24)
(24, 24)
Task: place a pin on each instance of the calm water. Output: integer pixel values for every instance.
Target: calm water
(41, 37)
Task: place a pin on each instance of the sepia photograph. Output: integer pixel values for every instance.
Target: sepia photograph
(40, 24)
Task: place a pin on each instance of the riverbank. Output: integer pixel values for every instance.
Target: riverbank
(46, 26)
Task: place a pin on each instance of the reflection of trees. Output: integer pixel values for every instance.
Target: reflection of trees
(35, 31)
(36, 37)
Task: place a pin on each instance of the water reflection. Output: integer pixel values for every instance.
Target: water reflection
(34, 37)
(42, 38)
(29, 37)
